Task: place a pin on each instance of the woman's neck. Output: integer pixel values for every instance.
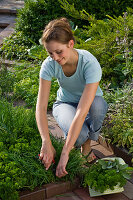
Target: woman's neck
(70, 67)
(73, 61)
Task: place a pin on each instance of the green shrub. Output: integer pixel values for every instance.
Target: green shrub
(36, 14)
(101, 8)
(7, 78)
(27, 85)
(118, 124)
(16, 47)
(37, 52)
(32, 19)
(22, 82)
(110, 41)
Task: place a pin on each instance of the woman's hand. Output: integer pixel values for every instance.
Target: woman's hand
(61, 168)
(47, 154)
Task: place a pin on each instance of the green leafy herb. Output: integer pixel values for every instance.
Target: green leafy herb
(105, 175)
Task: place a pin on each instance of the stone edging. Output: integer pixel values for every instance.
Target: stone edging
(49, 190)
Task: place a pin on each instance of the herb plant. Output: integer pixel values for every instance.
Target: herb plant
(105, 175)
(20, 144)
(118, 126)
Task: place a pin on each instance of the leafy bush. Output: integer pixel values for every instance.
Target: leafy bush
(32, 19)
(27, 84)
(99, 8)
(37, 52)
(16, 47)
(118, 124)
(7, 79)
(22, 81)
(110, 41)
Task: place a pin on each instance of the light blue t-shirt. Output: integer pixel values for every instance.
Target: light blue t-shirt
(71, 88)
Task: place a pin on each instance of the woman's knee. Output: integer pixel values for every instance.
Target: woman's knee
(64, 114)
(99, 106)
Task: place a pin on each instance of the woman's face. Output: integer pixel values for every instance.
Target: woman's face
(60, 52)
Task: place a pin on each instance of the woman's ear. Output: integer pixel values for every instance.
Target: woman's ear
(71, 44)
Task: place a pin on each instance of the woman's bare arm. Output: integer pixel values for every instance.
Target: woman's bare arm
(82, 110)
(76, 126)
(47, 152)
(41, 108)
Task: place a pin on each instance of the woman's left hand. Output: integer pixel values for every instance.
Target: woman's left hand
(61, 168)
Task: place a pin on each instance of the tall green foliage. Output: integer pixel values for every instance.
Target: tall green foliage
(111, 42)
(32, 19)
(35, 15)
(22, 82)
(16, 46)
(101, 8)
(118, 125)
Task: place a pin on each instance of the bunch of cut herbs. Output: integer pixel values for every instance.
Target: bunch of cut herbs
(106, 174)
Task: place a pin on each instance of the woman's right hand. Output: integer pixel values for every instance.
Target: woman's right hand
(47, 154)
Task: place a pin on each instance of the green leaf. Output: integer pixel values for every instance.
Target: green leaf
(113, 164)
(126, 175)
(103, 163)
(110, 166)
(119, 57)
(121, 167)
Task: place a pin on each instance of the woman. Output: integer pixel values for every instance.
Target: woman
(79, 108)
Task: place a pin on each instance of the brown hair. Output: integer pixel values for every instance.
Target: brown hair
(59, 30)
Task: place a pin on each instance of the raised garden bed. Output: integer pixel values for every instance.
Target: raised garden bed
(20, 168)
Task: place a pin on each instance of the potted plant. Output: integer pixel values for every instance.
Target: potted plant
(107, 176)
